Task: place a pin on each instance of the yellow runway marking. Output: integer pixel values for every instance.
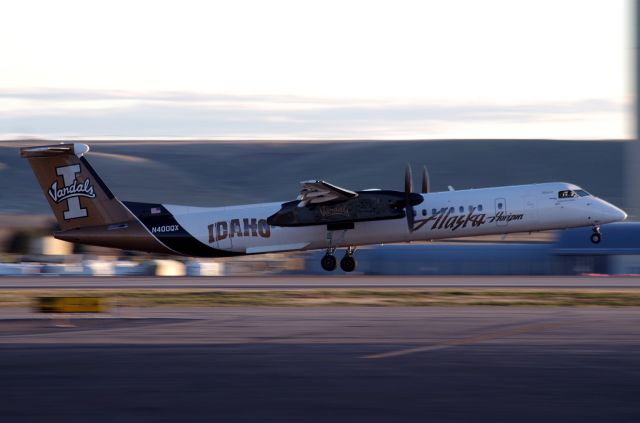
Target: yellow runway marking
(470, 340)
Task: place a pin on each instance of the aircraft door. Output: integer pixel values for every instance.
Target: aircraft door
(501, 211)
(530, 210)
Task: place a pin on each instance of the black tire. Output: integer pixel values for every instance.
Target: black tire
(348, 263)
(595, 238)
(329, 262)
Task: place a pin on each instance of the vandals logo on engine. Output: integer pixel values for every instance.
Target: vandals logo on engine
(71, 191)
(337, 210)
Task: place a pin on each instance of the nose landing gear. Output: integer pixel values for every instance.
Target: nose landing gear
(596, 236)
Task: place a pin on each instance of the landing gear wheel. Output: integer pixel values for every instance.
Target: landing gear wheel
(595, 236)
(348, 263)
(329, 262)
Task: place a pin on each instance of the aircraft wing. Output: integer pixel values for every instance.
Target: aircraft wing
(318, 192)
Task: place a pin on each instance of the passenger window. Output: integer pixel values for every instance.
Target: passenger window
(452, 210)
(424, 212)
(479, 207)
(470, 209)
(499, 206)
(461, 209)
(566, 194)
(434, 211)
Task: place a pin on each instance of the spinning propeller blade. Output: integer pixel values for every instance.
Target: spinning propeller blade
(425, 180)
(408, 188)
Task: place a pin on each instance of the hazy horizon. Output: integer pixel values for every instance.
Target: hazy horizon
(319, 70)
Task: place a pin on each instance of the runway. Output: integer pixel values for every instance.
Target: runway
(319, 282)
(346, 364)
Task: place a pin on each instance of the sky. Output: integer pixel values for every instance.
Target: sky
(345, 69)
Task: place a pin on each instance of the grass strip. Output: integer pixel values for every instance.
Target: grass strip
(338, 297)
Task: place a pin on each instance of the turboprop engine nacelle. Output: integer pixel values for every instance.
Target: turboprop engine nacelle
(367, 206)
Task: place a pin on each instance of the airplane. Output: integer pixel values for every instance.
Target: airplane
(322, 217)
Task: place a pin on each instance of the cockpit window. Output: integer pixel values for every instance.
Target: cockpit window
(582, 193)
(566, 194)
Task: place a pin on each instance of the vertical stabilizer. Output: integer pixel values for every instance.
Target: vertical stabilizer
(76, 194)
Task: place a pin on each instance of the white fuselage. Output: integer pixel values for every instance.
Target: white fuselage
(448, 214)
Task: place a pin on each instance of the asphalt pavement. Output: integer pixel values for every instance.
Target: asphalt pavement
(355, 364)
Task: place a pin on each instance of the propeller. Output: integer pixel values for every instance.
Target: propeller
(412, 198)
(408, 188)
(425, 180)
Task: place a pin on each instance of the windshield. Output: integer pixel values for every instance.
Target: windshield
(568, 193)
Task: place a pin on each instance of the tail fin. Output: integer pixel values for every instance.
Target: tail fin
(75, 192)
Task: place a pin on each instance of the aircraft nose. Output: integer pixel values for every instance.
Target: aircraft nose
(615, 214)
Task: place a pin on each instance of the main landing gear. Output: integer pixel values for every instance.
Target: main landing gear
(329, 262)
(596, 236)
(347, 264)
